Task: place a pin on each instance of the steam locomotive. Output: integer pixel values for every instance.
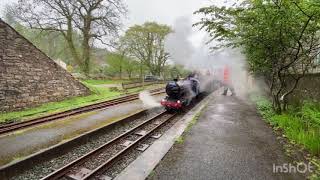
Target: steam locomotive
(181, 93)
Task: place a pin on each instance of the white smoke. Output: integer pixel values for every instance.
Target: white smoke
(190, 94)
(202, 59)
(178, 43)
(148, 100)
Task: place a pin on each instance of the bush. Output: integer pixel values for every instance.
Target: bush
(310, 114)
(264, 106)
(296, 129)
(300, 125)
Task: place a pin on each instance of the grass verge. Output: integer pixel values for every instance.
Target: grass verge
(299, 125)
(100, 82)
(302, 125)
(99, 94)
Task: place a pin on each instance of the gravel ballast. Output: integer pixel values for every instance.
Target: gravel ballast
(47, 167)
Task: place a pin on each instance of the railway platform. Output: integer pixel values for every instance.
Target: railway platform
(22, 143)
(229, 141)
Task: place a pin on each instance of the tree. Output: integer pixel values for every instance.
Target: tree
(130, 66)
(56, 49)
(178, 71)
(279, 38)
(92, 19)
(146, 43)
(115, 63)
(119, 65)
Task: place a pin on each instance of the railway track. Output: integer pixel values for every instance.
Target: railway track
(6, 128)
(93, 164)
(99, 154)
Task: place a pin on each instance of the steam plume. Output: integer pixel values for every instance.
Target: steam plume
(202, 59)
(148, 100)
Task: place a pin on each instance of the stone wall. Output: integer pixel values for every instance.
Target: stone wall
(28, 77)
(308, 89)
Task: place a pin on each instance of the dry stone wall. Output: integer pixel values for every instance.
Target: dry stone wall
(308, 89)
(28, 77)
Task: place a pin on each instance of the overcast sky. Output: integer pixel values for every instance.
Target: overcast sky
(176, 13)
(167, 12)
(162, 11)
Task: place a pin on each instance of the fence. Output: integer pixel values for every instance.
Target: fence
(131, 85)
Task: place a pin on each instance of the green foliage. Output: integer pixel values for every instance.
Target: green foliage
(146, 43)
(98, 94)
(310, 114)
(91, 20)
(115, 63)
(151, 175)
(131, 67)
(279, 38)
(179, 140)
(103, 81)
(120, 65)
(301, 126)
(264, 106)
(52, 44)
(178, 71)
(194, 120)
(114, 89)
(295, 129)
(69, 68)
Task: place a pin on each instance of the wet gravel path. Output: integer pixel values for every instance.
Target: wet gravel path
(229, 141)
(50, 166)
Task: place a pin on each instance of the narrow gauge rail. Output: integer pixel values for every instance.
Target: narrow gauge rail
(6, 128)
(148, 127)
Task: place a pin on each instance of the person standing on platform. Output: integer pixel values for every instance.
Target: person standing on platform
(227, 82)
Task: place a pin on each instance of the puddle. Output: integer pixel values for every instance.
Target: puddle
(220, 118)
(220, 108)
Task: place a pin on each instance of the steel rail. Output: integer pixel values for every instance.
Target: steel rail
(111, 160)
(66, 169)
(19, 125)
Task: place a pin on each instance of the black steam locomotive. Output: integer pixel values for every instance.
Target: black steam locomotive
(181, 93)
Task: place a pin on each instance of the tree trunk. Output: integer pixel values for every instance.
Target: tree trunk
(129, 74)
(86, 46)
(159, 71)
(141, 67)
(69, 38)
(120, 72)
(120, 68)
(277, 104)
(86, 55)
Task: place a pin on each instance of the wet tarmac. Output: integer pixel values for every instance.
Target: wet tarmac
(229, 141)
(25, 142)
